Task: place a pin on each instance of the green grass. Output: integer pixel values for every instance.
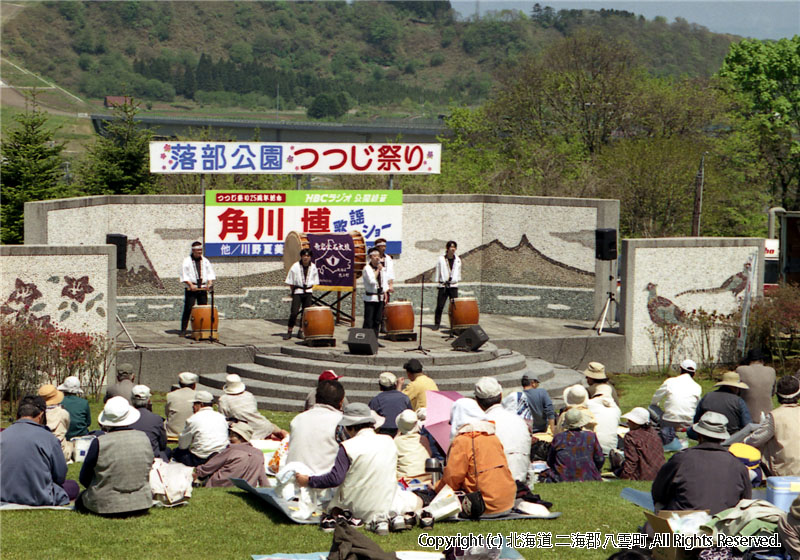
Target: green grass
(15, 77)
(230, 524)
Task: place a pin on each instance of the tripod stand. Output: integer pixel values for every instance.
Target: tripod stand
(419, 347)
(599, 325)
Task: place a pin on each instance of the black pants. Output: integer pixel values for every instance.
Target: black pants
(189, 299)
(186, 457)
(373, 313)
(299, 302)
(441, 298)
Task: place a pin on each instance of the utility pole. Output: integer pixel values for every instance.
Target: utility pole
(698, 196)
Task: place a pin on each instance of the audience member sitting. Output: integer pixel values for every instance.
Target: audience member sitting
(418, 386)
(464, 411)
(80, 416)
(517, 402)
(312, 438)
(606, 414)
(643, 453)
(760, 381)
(205, 433)
(124, 384)
(511, 430)
(179, 405)
(412, 450)
(238, 405)
(389, 403)
(365, 473)
(706, 476)
(576, 397)
(116, 471)
(789, 530)
(238, 460)
(543, 415)
(595, 377)
(32, 467)
(476, 462)
(680, 396)
(726, 401)
(57, 418)
(750, 457)
(327, 375)
(150, 423)
(778, 436)
(575, 454)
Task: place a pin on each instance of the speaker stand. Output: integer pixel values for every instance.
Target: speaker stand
(600, 324)
(121, 324)
(419, 347)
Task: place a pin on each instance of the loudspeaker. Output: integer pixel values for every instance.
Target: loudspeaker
(471, 339)
(605, 244)
(362, 341)
(121, 241)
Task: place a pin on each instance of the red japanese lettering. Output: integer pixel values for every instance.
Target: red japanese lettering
(337, 151)
(308, 151)
(389, 158)
(317, 220)
(367, 151)
(233, 221)
(410, 153)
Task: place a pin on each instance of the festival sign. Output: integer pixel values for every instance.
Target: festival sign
(294, 158)
(255, 223)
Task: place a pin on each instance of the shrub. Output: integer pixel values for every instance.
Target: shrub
(774, 325)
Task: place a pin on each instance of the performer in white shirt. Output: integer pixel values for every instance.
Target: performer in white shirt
(375, 286)
(388, 267)
(302, 277)
(198, 276)
(448, 273)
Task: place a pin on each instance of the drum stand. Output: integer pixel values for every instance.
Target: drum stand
(419, 347)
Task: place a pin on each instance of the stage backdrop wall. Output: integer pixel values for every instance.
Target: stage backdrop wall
(69, 286)
(673, 288)
(530, 256)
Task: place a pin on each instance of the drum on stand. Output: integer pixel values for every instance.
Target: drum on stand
(399, 317)
(317, 323)
(463, 313)
(296, 241)
(202, 327)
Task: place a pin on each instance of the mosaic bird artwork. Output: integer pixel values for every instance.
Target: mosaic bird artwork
(734, 284)
(662, 310)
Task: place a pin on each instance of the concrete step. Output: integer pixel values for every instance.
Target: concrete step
(393, 358)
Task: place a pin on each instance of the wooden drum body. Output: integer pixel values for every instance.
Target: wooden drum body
(202, 327)
(399, 317)
(463, 313)
(296, 241)
(317, 323)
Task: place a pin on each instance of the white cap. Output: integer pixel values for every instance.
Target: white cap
(140, 392)
(638, 415)
(406, 421)
(203, 397)
(689, 365)
(487, 388)
(118, 412)
(187, 377)
(387, 379)
(71, 385)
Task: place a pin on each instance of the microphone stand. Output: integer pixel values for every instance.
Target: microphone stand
(451, 310)
(419, 347)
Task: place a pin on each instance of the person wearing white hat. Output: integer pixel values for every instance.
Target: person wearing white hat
(706, 476)
(679, 396)
(577, 397)
(412, 449)
(239, 405)
(726, 401)
(389, 402)
(80, 416)
(178, 407)
(238, 460)
(510, 429)
(607, 414)
(150, 423)
(205, 433)
(596, 376)
(643, 453)
(116, 470)
(778, 436)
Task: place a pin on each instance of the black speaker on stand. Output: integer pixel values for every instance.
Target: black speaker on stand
(121, 242)
(605, 244)
(362, 341)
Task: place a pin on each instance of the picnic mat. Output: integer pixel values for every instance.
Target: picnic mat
(269, 496)
(505, 554)
(9, 507)
(645, 499)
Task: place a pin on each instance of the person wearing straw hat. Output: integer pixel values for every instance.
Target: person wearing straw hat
(239, 405)
(576, 397)
(150, 423)
(116, 470)
(726, 401)
(205, 433)
(596, 376)
(80, 416)
(238, 460)
(57, 418)
(643, 453)
(178, 407)
(705, 476)
(124, 384)
(575, 454)
(389, 403)
(778, 436)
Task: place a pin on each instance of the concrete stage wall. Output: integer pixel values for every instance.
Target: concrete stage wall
(528, 256)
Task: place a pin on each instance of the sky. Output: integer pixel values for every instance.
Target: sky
(758, 19)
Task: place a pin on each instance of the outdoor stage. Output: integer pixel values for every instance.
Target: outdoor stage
(280, 373)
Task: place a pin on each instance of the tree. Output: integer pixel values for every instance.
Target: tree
(31, 169)
(119, 161)
(328, 105)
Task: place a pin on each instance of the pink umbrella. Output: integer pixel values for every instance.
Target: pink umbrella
(437, 420)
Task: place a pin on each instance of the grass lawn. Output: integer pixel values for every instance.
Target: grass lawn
(228, 523)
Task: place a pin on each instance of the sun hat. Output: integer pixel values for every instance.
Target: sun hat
(713, 425)
(140, 393)
(689, 365)
(575, 395)
(187, 378)
(731, 379)
(574, 418)
(233, 384)
(638, 415)
(596, 370)
(50, 394)
(328, 375)
(532, 509)
(487, 388)
(71, 385)
(203, 397)
(118, 412)
(413, 366)
(406, 421)
(387, 379)
(243, 430)
(359, 413)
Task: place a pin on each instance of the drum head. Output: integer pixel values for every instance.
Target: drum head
(292, 245)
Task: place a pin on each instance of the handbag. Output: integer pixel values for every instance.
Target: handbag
(472, 504)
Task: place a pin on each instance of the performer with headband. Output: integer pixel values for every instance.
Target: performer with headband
(198, 275)
(375, 286)
(302, 277)
(388, 267)
(448, 273)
